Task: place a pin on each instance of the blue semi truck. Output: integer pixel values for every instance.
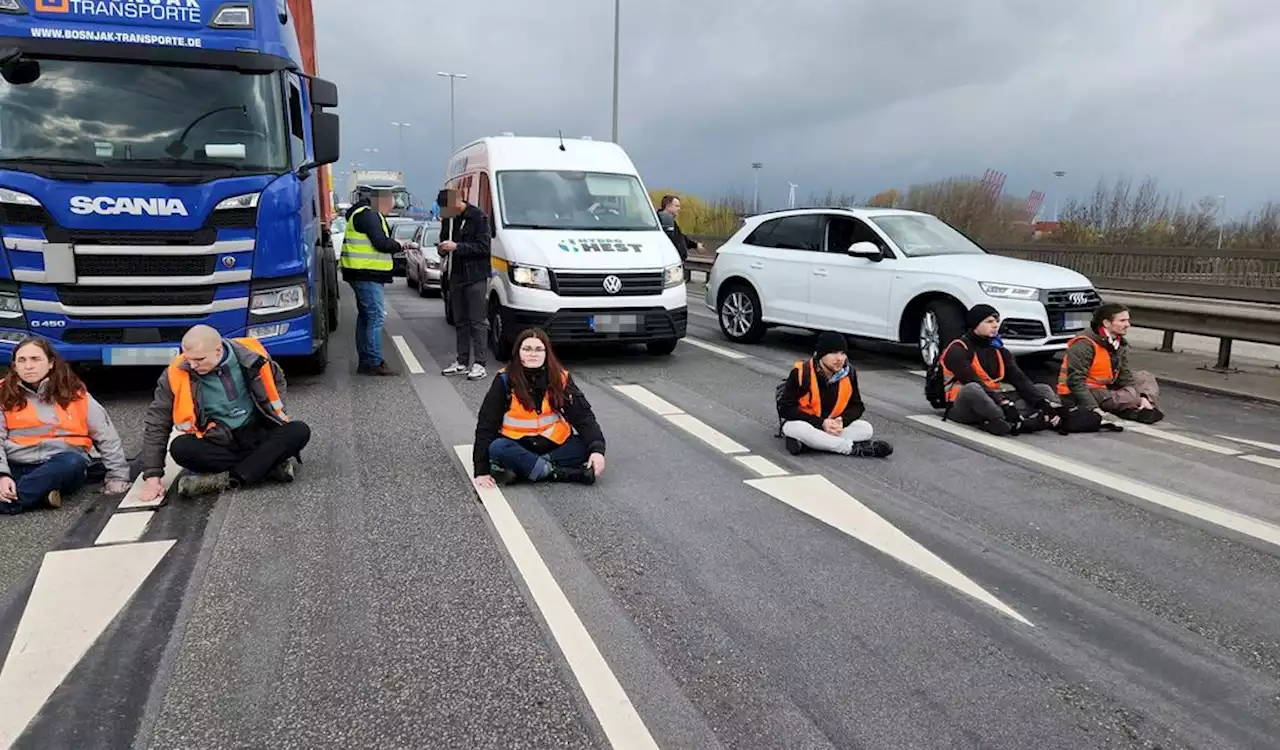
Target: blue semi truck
(163, 163)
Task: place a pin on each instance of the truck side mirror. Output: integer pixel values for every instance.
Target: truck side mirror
(324, 134)
(323, 93)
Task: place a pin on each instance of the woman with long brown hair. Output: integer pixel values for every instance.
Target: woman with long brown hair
(50, 425)
(535, 423)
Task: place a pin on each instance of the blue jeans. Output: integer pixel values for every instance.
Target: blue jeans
(65, 471)
(371, 313)
(511, 455)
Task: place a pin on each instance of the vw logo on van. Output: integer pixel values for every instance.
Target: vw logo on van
(612, 284)
(1079, 298)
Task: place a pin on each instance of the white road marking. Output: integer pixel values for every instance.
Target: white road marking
(760, 465)
(1213, 514)
(406, 354)
(648, 399)
(1174, 437)
(706, 433)
(731, 354)
(1264, 460)
(618, 717)
(816, 496)
(171, 471)
(76, 595)
(921, 373)
(125, 527)
(1255, 443)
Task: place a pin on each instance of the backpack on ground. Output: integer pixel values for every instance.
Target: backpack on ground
(780, 390)
(933, 386)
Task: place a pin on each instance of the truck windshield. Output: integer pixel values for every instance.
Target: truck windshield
(111, 114)
(920, 235)
(574, 200)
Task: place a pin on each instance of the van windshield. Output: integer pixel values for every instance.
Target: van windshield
(574, 200)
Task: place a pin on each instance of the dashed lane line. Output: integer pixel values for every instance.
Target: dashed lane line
(648, 399)
(1218, 516)
(1263, 460)
(125, 527)
(410, 361)
(1255, 443)
(723, 352)
(817, 497)
(1174, 437)
(761, 465)
(706, 433)
(613, 708)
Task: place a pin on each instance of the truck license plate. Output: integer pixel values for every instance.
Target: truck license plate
(614, 323)
(1077, 321)
(125, 356)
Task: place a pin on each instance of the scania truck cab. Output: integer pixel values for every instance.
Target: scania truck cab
(162, 165)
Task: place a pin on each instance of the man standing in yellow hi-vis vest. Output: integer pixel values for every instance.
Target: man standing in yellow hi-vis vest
(366, 261)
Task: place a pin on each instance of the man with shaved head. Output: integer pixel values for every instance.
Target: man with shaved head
(226, 398)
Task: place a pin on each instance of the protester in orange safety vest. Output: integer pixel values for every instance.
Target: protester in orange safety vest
(820, 407)
(226, 397)
(986, 388)
(50, 425)
(535, 423)
(1095, 371)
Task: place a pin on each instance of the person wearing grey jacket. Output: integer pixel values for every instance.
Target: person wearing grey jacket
(50, 425)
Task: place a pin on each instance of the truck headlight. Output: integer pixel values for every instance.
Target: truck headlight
(278, 300)
(534, 277)
(248, 200)
(10, 305)
(1009, 291)
(673, 276)
(13, 196)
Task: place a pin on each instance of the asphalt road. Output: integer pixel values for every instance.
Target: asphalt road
(1092, 591)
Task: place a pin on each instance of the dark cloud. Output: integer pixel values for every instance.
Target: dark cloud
(843, 94)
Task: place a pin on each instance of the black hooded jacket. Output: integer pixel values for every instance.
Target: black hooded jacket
(577, 412)
(469, 263)
(828, 392)
(959, 361)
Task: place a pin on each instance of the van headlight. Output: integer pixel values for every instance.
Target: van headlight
(534, 277)
(673, 276)
(278, 300)
(1009, 291)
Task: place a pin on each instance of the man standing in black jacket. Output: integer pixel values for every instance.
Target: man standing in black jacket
(367, 264)
(464, 239)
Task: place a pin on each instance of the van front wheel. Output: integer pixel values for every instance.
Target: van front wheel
(499, 339)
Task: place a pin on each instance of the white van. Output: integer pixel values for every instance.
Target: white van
(577, 247)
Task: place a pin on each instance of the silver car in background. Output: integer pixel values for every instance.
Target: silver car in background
(422, 264)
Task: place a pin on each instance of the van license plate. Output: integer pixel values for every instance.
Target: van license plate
(614, 323)
(126, 356)
(1077, 321)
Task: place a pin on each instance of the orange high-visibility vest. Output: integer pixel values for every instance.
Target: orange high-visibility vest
(184, 405)
(1101, 375)
(70, 425)
(949, 378)
(811, 400)
(520, 422)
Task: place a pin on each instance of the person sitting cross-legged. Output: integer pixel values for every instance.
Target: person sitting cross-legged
(821, 408)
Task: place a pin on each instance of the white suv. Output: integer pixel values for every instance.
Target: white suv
(887, 274)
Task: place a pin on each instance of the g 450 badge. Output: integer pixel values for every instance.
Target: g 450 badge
(599, 246)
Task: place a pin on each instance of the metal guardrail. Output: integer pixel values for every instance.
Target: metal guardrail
(1231, 295)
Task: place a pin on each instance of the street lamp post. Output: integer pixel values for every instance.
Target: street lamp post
(452, 77)
(400, 126)
(755, 195)
(1222, 217)
(617, 38)
(1057, 193)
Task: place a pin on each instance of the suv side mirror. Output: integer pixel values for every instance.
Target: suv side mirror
(867, 250)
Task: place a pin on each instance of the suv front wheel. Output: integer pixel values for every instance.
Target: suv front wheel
(740, 315)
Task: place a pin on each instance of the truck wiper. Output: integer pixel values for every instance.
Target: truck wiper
(53, 161)
(184, 163)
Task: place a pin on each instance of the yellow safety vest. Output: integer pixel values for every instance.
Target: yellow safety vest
(358, 253)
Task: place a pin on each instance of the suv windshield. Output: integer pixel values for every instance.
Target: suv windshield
(109, 114)
(574, 200)
(922, 235)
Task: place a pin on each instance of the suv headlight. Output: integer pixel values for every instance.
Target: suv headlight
(1009, 291)
(278, 300)
(248, 200)
(673, 276)
(534, 277)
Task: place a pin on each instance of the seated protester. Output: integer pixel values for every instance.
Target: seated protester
(227, 398)
(50, 425)
(821, 408)
(1095, 371)
(535, 423)
(986, 388)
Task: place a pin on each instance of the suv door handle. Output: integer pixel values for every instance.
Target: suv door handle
(757, 265)
(820, 272)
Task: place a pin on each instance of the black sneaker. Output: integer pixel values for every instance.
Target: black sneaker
(794, 447)
(503, 475)
(997, 427)
(284, 471)
(573, 475)
(872, 449)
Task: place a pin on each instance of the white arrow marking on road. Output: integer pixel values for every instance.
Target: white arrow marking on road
(76, 595)
(125, 527)
(816, 496)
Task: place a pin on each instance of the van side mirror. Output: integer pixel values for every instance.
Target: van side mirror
(867, 250)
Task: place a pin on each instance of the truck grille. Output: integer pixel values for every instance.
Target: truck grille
(141, 335)
(144, 265)
(88, 296)
(199, 238)
(592, 284)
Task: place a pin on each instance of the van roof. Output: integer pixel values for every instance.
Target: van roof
(535, 152)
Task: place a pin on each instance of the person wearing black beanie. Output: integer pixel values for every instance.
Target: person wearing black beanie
(984, 385)
(820, 406)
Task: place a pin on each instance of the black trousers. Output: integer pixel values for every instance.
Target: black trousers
(253, 451)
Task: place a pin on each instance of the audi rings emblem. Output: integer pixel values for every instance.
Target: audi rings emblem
(1079, 298)
(612, 284)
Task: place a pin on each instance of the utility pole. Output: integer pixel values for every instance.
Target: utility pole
(755, 195)
(617, 38)
(1222, 217)
(453, 141)
(400, 126)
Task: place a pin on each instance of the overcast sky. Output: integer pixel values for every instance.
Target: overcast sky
(851, 95)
